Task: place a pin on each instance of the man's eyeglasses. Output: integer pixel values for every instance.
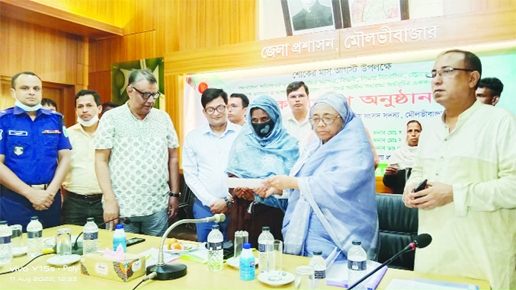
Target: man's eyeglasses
(147, 95)
(445, 72)
(327, 120)
(219, 109)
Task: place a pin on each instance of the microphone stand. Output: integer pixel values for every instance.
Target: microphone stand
(407, 249)
(173, 271)
(168, 271)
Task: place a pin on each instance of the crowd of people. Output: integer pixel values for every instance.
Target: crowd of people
(317, 164)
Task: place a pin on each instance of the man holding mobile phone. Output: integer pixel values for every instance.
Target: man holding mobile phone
(469, 157)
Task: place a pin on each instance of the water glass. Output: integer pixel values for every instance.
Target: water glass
(16, 238)
(241, 237)
(64, 242)
(304, 277)
(274, 260)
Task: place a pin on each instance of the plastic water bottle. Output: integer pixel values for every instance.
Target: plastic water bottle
(215, 250)
(34, 238)
(246, 264)
(90, 243)
(6, 250)
(357, 264)
(119, 237)
(264, 238)
(319, 264)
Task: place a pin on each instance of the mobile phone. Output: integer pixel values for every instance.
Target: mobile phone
(134, 241)
(421, 186)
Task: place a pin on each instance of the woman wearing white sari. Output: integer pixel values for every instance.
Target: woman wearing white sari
(331, 198)
(402, 160)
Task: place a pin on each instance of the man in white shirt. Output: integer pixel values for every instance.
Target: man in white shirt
(237, 107)
(83, 196)
(296, 121)
(205, 157)
(136, 160)
(468, 155)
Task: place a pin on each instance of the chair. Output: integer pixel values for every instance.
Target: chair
(398, 227)
(185, 231)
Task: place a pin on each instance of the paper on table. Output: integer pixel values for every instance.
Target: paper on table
(400, 284)
(232, 182)
(151, 256)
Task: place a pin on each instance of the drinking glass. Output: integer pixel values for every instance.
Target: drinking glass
(64, 242)
(304, 277)
(241, 237)
(274, 260)
(16, 238)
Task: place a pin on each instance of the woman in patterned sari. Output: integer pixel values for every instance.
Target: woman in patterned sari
(331, 199)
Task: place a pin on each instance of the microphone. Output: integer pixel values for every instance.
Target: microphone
(173, 271)
(420, 242)
(78, 250)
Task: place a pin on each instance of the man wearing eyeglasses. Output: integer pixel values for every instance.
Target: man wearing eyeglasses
(237, 106)
(136, 160)
(205, 157)
(469, 158)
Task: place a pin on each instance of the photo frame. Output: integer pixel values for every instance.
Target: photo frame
(308, 16)
(357, 13)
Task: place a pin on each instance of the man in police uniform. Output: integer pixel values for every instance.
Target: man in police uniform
(34, 156)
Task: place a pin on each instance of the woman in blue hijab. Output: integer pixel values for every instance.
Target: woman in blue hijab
(262, 149)
(331, 199)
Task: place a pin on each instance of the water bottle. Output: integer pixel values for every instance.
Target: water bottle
(357, 264)
(119, 237)
(6, 250)
(246, 264)
(319, 265)
(34, 238)
(90, 243)
(215, 251)
(265, 238)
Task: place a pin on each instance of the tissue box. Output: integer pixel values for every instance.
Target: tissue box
(96, 265)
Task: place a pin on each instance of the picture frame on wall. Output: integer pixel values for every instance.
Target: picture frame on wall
(357, 13)
(308, 16)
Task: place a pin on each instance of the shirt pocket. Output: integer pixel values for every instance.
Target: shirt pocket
(50, 145)
(18, 147)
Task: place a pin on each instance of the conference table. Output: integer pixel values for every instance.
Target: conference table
(40, 275)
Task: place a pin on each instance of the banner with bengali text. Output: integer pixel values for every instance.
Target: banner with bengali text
(384, 95)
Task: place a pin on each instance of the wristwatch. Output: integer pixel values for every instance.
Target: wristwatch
(171, 194)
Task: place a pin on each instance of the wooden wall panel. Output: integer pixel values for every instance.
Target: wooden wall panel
(101, 83)
(165, 26)
(49, 53)
(143, 16)
(100, 10)
(208, 24)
